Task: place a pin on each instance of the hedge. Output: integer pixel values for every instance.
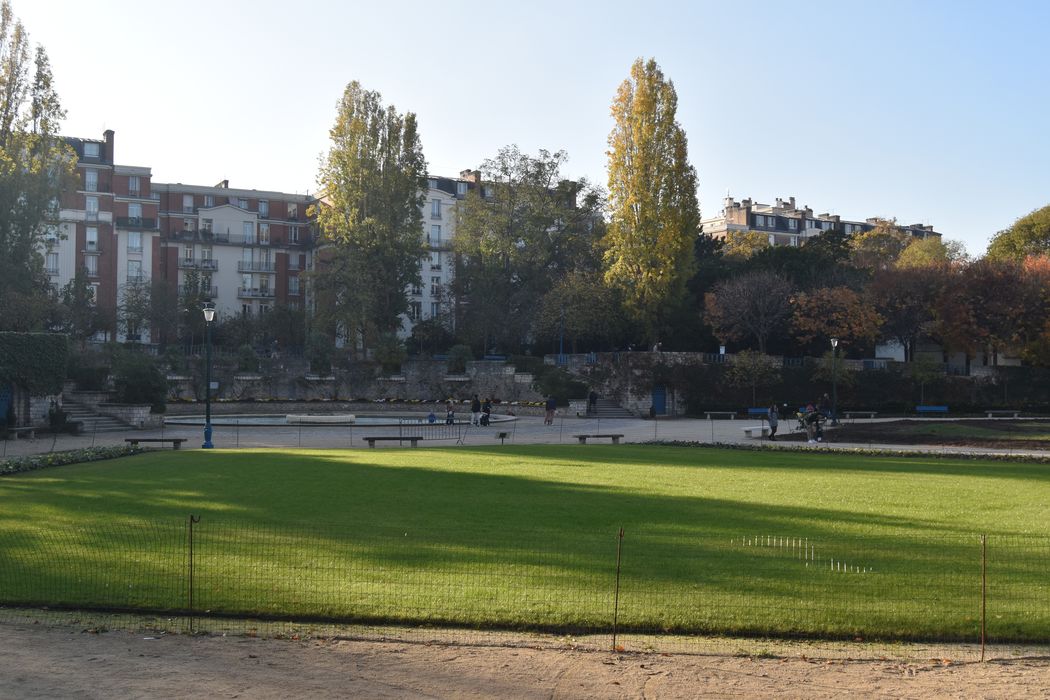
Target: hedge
(34, 361)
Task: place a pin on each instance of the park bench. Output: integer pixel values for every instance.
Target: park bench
(931, 409)
(751, 430)
(991, 412)
(731, 415)
(615, 437)
(176, 443)
(25, 431)
(414, 439)
(857, 414)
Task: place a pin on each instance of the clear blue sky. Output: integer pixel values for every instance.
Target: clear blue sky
(932, 112)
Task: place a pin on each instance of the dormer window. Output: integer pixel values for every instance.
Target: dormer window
(91, 150)
(432, 184)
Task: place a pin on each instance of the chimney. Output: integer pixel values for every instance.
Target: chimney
(107, 151)
(780, 203)
(808, 211)
(792, 201)
(470, 175)
(223, 185)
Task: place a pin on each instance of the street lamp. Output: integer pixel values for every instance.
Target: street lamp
(834, 381)
(209, 316)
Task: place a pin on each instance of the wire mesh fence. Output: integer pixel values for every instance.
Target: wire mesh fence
(647, 589)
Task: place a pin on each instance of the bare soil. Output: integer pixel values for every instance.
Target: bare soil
(48, 662)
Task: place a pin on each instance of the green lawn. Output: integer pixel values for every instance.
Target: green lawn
(715, 540)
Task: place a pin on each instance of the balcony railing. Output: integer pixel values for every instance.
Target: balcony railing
(134, 248)
(136, 222)
(92, 247)
(254, 293)
(204, 291)
(51, 270)
(134, 279)
(255, 266)
(209, 264)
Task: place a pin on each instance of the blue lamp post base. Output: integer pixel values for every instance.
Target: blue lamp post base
(207, 438)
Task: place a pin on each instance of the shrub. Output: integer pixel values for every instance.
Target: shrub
(319, 353)
(16, 465)
(247, 360)
(458, 357)
(138, 379)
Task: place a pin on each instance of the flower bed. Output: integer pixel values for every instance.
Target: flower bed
(15, 465)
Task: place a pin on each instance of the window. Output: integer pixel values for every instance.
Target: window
(187, 204)
(242, 203)
(293, 234)
(134, 241)
(417, 290)
(435, 234)
(91, 207)
(246, 309)
(792, 224)
(135, 212)
(91, 265)
(435, 260)
(293, 285)
(134, 270)
(264, 309)
(51, 263)
(264, 209)
(93, 290)
(209, 200)
(51, 234)
(435, 286)
(432, 184)
(91, 150)
(435, 309)
(461, 189)
(415, 310)
(91, 180)
(133, 185)
(435, 209)
(187, 224)
(188, 252)
(264, 234)
(91, 239)
(293, 211)
(206, 225)
(249, 231)
(205, 252)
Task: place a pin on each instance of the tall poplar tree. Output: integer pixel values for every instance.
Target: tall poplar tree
(34, 164)
(655, 217)
(372, 188)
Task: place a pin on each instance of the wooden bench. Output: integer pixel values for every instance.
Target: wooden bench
(731, 415)
(615, 437)
(414, 439)
(931, 409)
(991, 412)
(750, 431)
(175, 442)
(855, 414)
(25, 431)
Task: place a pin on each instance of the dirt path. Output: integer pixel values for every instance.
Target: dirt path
(42, 662)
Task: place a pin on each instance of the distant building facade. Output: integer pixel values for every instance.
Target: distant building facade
(786, 224)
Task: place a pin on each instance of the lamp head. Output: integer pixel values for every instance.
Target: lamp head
(209, 312)
(834, 342)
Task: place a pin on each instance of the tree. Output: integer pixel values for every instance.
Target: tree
(373, 184)
(752, 305)
(516, 236)
(880, 247)
(35, 164)
(655, 217)
(82, 318)
(753, 369)
(195, 292)
(581, 307)
(835, 312)
(744, 244)
(135, 309)
(905, 298)
(931, 252)
(1030, 235)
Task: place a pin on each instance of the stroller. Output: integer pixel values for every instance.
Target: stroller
(811, 422)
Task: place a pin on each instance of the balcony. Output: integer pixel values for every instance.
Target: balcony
(51, 270)
(92, 247)
(136, 222)
(254, 293)
(134, 248)
(206, 264)
(204, 291)
(136, 278)
(255, 266)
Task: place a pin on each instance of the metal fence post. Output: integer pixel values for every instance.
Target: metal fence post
(616, 596)
(984, 591)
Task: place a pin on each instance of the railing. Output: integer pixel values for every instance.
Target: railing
(255, 266)
(293, 292)
(90, 215)
(254, 293)
(136, 279)
(209, 264)
(90, 247)
(134, 248)
(51, 270)
(136, 222)
(203, 291)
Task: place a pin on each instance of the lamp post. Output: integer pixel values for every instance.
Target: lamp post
(209, 316)
(834, 381)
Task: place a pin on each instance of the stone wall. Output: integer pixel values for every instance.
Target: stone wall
(135, 415)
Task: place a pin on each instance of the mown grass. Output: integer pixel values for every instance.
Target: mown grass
(715, 540)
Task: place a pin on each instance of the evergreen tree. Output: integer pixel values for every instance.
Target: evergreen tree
(655, 217)
(373, 185)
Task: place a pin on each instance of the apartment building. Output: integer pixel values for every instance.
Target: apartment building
(249, 247)
(786, 224)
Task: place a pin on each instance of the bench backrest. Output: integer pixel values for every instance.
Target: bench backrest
(757, 411)
(931, 409)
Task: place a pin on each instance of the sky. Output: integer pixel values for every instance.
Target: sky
(931, 112)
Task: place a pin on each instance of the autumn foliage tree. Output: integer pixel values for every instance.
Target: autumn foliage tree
(654, 214)
(753, 305)
(835, 312)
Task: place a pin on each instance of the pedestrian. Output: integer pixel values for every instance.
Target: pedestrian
(450, 413)
(431, 418)
(486, 411)
(475, 410)
(773, 416)
(812, 419)
(592, 402)
(825, 406)
(551, 405)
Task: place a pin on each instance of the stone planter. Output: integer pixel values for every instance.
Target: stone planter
(135, 415)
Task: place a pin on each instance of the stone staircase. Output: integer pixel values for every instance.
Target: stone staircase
(93, 422)
(607, 408)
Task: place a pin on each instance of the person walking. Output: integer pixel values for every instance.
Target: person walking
(486, 411)
(773, 416)
(551, 405)
(450, 413)
(475, 410)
